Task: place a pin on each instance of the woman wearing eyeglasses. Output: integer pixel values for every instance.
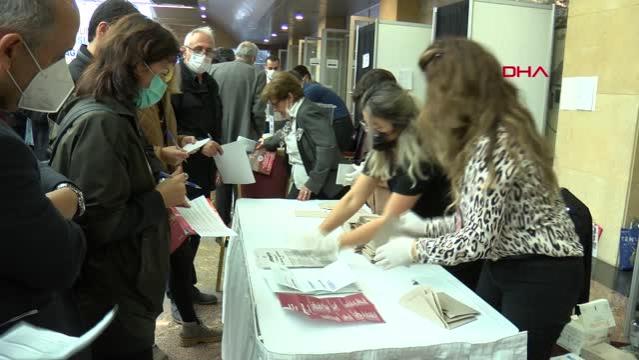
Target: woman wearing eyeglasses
(416, 183)
(309, 139)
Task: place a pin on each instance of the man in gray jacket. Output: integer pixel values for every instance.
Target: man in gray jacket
(240, 84)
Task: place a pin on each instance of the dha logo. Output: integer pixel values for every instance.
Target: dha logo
(518, 71)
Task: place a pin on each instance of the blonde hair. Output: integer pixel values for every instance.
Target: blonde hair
(469, 100)
(388, 101)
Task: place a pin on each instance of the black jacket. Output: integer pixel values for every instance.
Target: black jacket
(198, 112)
(317, 146)
(126, 222)
(82, 60)
(40, 252)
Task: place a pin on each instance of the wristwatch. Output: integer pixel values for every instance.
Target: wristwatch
(78, 193)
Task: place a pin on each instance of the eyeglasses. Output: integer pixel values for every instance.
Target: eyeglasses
(202, 51)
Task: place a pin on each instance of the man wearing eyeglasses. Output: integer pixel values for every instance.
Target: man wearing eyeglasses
(198, 111)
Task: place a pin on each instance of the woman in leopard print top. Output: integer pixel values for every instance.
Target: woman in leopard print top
(507, 201)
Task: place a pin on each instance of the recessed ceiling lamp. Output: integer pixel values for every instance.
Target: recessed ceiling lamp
(284, 27)
(299, 16)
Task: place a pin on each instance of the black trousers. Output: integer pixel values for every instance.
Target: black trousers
(181, 278)
(467, 273)
(224, 202)
(536, 294)
(292, 194)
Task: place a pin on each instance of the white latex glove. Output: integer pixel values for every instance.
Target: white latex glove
(412, 225)
(320, 243)
(352, 176)
(397, 252)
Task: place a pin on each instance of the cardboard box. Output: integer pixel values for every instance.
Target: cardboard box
(605, 352)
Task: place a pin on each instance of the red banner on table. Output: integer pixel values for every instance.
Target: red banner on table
(343, 309)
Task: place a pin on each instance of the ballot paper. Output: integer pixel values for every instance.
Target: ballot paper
(203, 218)
(331, 279)
(438, 307)
(248, 143)
(342, 171)
(234, 166)
(291, 258)
(192, 148)
(342, 309)
(27, 342)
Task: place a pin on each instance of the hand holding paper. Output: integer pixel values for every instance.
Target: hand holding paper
(397, 252)
(233, 164)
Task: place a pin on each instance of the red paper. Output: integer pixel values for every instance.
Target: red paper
(343, 309)
(180, 229)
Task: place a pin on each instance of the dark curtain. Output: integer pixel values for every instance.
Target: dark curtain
(452, 20)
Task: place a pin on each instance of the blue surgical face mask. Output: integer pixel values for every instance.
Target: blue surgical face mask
(153, 94)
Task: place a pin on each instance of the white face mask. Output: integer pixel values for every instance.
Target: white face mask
(269, 74)
(199, 63)
(49, 89)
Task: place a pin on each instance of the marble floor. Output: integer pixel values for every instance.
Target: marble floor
(606, 283)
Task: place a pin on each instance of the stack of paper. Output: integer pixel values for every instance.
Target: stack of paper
(438, 307)
(203, 218)
(291, 258)
(337, 278)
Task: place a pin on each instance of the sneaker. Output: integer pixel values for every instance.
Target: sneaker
(194, 333)
(159, 354)
(201, 298)
(175, 313)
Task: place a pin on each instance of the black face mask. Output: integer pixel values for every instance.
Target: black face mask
(381, 142)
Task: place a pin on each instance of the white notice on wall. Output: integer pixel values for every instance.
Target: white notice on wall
(366, 61)
(315, 61)
(579, 93)
(332, 63)
(406, 79)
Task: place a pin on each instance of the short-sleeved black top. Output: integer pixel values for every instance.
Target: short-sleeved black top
(434, 190)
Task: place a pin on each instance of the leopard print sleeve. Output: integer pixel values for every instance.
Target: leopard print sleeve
(434, 227)
(481, 211)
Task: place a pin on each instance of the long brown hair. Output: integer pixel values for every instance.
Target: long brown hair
(467, 100)
(132, 40)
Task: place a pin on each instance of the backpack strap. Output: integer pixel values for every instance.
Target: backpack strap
(77, 112)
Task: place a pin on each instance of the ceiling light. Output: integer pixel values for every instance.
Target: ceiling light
(203, 16)
(299, 16)
(273, 35)
(266, 40)
(203, 8)
(284, 27)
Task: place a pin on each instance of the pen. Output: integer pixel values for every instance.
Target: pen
(193, 185)
(174, 141)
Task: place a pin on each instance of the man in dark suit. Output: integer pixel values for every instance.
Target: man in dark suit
(41, 251)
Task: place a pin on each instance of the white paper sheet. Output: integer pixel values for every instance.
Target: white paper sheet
(192, 148)
(342, 171)
(332, 278)
(579, 93)
(204, 220)
(27, 342)
(234, 165)
(250, 144)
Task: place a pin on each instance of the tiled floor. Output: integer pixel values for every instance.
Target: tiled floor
(607, 283)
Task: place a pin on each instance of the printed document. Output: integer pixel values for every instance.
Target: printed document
(27, 342)
(330, 279)
(203, 218)
(291, 258)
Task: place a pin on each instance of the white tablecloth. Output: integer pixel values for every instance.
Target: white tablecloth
(256, 327)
